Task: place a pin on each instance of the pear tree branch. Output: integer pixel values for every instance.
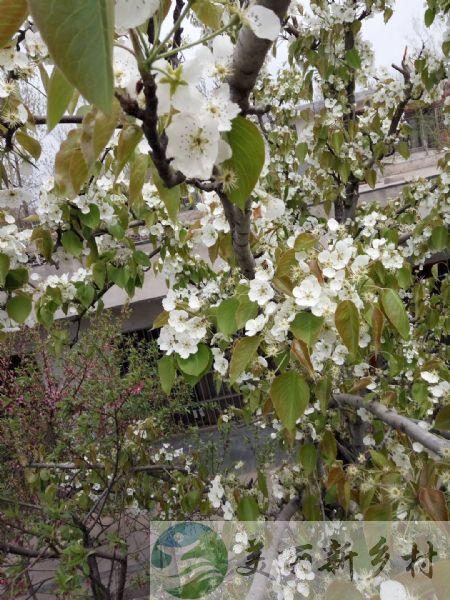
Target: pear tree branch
(432, 442)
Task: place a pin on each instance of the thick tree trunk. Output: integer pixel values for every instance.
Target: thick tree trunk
(249, 56)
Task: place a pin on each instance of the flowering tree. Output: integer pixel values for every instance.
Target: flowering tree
(331, 326)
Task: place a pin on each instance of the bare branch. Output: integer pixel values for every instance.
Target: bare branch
(430, 441)
(154, 470)
(257, 110)
(240, 234)
(66, 120)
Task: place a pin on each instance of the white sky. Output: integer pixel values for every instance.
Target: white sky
(406, 28)
(389, 40)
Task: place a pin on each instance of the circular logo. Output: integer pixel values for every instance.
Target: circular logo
(191, 560)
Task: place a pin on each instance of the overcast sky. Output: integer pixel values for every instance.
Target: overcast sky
(389, 40)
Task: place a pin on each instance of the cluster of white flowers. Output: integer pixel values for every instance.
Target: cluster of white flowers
(196, 118)
(182, 334)
(194, 137)
(65, 283)
(213, 219)
(438, 388)
(14, 243)
(216, 495)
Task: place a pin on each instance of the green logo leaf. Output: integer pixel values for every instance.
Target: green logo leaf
(200, 569)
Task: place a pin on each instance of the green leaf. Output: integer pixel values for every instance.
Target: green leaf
(395, 312)
(306, 327)
(19, 307)
(166, 370)
(191, 500)
(79, 36)
(72, 243)
(442, 422)
(13, 14)
(328, 446)
(78, 170)
(247, 160)
(371, 177)
(246, 310)
(43, 240)
(96, 131)
(388, 12)
(118, 275)
(248, 509)
(171, 197)
(243, 352)
(141, 258)
(378, 459)
(62, 162)
(430, 15)
(301, 152)
(59, 94)
(353, 59)
(29, 144)
(377, 323)
(405, 279)
(16, 278)
(403, 150)
(92, 218)
(439, 238)
(305, 241)
(322, 392)
(347, 320)
(307, 455)
(345, 170)
(137, 178)
(225, 315)
(129, 138)
(208, 13)
(337, 140)
(290, 396)
(4, 268)
(85, 294)
(301, 352)
(197, 363)
(99, 274)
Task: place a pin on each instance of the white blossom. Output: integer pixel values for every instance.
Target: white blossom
(307, 294)
(131, 13)
(193, 144)
(260, 291)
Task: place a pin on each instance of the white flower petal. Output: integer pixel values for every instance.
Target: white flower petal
(263, 22)
(131, 13)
